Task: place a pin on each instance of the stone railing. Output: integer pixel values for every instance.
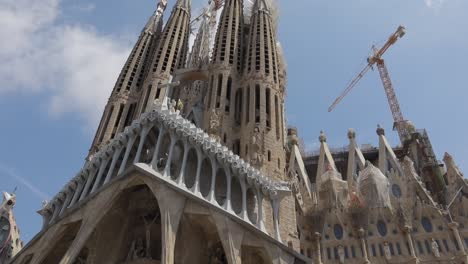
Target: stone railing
(175, 150)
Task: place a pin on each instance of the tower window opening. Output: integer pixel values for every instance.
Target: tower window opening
(145, 98)
(247, 105)
(269, 155)
(236, 147)
(228, 96)
(238, 106)
(277, 123)
(117, 120)
(220, 86)
(210, 91)
(224, 138)
(130, 113)
(268, 108)
(246, 150)
(257, 103)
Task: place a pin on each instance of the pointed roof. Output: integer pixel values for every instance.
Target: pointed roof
(155, 20)
(262, 5)
(184, 4)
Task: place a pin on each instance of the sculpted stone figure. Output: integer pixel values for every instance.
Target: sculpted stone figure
(256, 155)
(435, 248)
(341, 253)
(387, 251)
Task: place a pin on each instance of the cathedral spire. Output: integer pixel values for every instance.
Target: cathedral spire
(120, 109)
(171, 54)
(155, 22)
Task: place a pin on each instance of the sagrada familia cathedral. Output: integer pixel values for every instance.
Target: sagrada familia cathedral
(193, 162)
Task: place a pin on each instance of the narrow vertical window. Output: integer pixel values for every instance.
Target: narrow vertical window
(257, 103)
(277, 122)
(145, 98)
(210, 91)
(220, 86)
(238, 106)
(130, 113)
(227, 106)
(247, 105)
(268, 108)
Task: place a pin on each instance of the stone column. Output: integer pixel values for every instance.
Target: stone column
(127, 154)
(231, 235)
(407, 230)
(112, 166)
(172, 206)
(260, 222)
(76, 195)
(167, 169)
(362, 238)
(181, 176)
(196, 186)
(318, 250)
(154, 162)
(99, 176)
(89, 179)
(275, 204)
(454, 227)
(144, 132)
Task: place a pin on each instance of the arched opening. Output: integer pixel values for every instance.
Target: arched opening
(190, 173)
(252, 206)
(149, 145)
(64, 241)
(221, 187)
(163, 153)
(236, 195)
(206, 175)
(198, 241)
(254, 255)
(131, 230)
(176, 160)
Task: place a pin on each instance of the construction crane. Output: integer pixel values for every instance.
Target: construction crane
(400, 124)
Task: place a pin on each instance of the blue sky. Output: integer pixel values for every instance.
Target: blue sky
(60, 58)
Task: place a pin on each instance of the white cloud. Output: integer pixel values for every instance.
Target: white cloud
(434, 4)
(73, 65)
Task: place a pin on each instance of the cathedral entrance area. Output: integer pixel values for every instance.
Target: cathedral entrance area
(131, 232)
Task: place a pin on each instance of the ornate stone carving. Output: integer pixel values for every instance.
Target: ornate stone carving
(388, 253)
(215, 124)
(256, 146)
(435, 248)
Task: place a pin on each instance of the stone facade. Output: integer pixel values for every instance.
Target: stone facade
(192, 163)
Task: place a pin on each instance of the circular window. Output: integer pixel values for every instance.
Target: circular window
(396, 190)
(338, 229)
(382, 228)
(426, 223)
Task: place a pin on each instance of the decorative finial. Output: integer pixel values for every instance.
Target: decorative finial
(351, 133)
(322, 137)
(380, 131)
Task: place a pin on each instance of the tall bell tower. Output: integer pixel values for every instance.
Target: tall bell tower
(120, 109)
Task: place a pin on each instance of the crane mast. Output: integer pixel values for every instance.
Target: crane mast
(376, 59)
